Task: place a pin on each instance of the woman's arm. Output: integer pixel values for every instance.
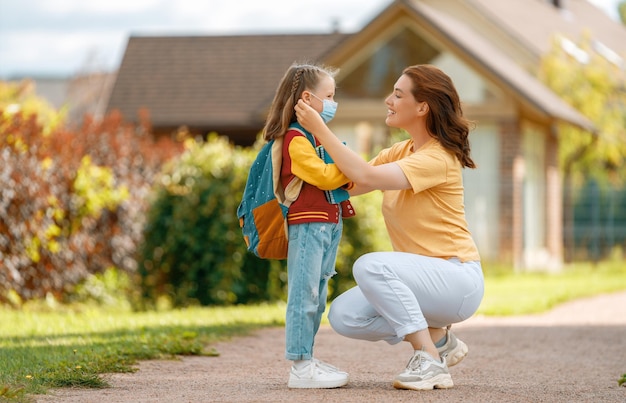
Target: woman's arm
(367, 177)
(359, 190)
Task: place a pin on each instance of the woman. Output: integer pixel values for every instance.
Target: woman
(433, 278)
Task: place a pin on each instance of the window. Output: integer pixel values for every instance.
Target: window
(376, 76)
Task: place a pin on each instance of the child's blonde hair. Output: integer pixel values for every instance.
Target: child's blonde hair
(297, 79)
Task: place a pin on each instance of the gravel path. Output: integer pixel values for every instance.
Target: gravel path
(574, 353)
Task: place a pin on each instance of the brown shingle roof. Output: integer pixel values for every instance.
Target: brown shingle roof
(221, 81)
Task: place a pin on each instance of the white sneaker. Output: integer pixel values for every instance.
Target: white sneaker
(454, 350)
(423, 372)
(327, 366)
(316, 375)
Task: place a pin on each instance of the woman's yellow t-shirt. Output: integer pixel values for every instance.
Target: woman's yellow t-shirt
(429, 218)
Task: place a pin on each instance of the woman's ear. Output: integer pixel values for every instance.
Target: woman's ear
(423, 108)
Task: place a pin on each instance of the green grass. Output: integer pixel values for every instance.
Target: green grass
(68, 347)
(526, 293)
(43, 346)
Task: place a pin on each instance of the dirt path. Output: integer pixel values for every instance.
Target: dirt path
(574, 353)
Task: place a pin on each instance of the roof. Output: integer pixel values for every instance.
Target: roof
(534, 22)
(226, 80)
(526, 87)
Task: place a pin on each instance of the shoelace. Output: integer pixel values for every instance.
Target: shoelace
(412, 362)
(326, 366)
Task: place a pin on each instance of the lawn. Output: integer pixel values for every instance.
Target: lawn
(45, 345)
(525, 293)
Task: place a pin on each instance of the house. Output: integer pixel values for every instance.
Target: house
(490, 48)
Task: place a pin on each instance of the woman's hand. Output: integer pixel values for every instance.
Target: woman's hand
(309, 118)
(366, 177)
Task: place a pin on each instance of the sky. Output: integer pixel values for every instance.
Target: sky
(61, 38)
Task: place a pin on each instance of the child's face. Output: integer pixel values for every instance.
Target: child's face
(325, 89)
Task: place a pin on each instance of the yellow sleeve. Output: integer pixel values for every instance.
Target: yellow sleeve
(306, 165)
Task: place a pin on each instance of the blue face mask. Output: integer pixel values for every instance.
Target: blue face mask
(329, 109)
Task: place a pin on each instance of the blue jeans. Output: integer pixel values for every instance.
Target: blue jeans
(310, 264)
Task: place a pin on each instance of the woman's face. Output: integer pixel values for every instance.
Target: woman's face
(402, 108)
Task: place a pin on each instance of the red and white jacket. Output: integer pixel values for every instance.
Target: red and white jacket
(300, 160)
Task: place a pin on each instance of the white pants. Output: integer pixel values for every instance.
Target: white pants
(400, 293)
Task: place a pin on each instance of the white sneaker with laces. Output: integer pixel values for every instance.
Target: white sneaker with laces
(454, 350)
(423, 372)
(328, 367)
(316, 375)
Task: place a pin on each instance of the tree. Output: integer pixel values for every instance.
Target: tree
(594, 85)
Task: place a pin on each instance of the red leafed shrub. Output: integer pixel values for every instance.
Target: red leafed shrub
(72, 203)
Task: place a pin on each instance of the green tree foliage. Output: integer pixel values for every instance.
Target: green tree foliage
(595, 86)
(71, 202)
(596, 89)
(621, 11)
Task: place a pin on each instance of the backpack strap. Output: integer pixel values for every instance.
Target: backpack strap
(290, 193)
(297, 126)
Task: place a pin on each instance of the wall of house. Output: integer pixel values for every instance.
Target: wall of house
(482, 189)
(510, 201)
(554, 203)
(536, 253)
(530, 210)
(541, 199)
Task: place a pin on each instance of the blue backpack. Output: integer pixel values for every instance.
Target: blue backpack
(263, 210)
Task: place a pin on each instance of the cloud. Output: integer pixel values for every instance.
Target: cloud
(103, 8)
(57, 36)
(62, 52)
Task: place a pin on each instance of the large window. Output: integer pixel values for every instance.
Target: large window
(376, 76)
(482, 190)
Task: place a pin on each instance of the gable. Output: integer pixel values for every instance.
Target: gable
(478, 55)
(532, 95)
(375, 75)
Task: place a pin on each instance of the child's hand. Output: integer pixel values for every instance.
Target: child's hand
(309, 118)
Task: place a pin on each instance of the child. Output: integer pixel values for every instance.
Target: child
(314, 219)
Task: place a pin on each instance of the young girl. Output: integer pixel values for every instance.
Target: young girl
(433, 278)
(314, 221)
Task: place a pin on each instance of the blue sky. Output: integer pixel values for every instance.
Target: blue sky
(66, 37)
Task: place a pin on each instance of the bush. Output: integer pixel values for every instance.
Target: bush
(74, 205)
(71, 201)
(194, 251)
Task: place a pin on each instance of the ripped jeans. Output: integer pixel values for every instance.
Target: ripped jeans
(310, 264)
